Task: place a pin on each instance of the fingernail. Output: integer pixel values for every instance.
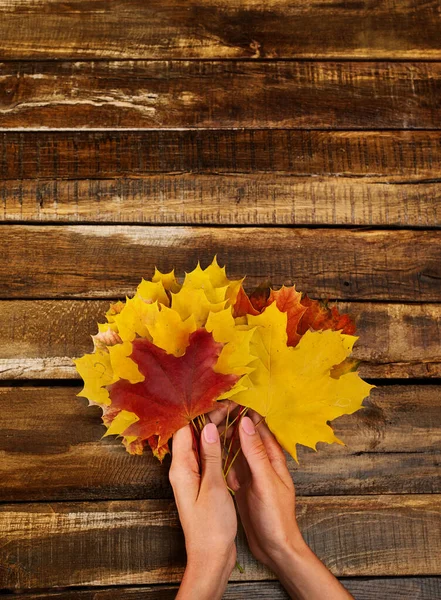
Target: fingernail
(248, 425)
(211, 434)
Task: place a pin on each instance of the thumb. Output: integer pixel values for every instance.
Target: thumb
(211, 457)
(253, 448)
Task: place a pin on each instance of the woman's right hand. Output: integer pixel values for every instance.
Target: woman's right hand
(264, 493)
(265, 498)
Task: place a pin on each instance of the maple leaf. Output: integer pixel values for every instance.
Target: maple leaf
(319, 316)
(96, 371)
(288, 300)
(174, 391)
(303, 313)
(292, 387)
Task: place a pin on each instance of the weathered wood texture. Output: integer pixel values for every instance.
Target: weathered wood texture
(40, 337)
(103, 543)
(223, 177)
(389, 156)
(196, 29)
(392, 588)
(227, 200)
(51, 449)
(159, 94)
(108, 261)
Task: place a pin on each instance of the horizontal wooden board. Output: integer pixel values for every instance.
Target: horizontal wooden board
(369, 588)
(51, 449)
(104, 543)
(195, 94)
(109, 261)
(40, 337)
(226, 200)
(401, 157)
(388, 178)
(194, 29)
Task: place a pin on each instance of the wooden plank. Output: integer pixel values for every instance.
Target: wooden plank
(102, 543)
(392, 446)
(40, 337)
(158, 94)
(194, 29)
(108, 261)
(247, 177)
(401, 157)
(238, 200)
(393, 588)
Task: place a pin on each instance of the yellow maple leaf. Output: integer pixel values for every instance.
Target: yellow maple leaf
(96, 371)
(168, 280)
(214, 282)
(293, 387)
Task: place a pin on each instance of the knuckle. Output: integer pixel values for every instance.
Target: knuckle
(211, 459)
(258, 451)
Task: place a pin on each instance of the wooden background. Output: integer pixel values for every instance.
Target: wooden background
(299, 140)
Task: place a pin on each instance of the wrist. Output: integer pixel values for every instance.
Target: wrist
(206, 578)
(288, 556)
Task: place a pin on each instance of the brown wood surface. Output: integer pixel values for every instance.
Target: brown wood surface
(195, 94)
(392, 588)
(51, 448)
(108, 261)
(401, 157)
(236, 29)
(299, 140)
(103, 543)
(388, 178)
(242, 199)
(40, 337)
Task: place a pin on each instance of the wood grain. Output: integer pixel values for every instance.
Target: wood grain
(401, 157)
(40, 337)
(256, 177)
(194, 29)
(393, 588)
(159, 94)
(108, 261)
(51, 448)
(226, 200)
(104, 543)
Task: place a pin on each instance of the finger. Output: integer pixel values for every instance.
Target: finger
(253, 448)
(221, 411)
(184, 470)
(211, 457)
(275, 453)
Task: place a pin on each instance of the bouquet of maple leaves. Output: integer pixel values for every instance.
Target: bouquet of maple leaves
(169, 354)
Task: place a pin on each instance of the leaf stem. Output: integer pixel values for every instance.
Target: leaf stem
(232, 461)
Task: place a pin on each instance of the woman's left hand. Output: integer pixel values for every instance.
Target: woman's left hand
(207, 514)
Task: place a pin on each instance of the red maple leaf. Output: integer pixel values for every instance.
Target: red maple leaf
(175, 389)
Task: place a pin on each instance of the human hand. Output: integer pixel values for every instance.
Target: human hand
(207, 514)
(264, 493)
(265, 498)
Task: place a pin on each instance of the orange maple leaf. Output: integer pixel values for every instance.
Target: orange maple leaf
(303, 313)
